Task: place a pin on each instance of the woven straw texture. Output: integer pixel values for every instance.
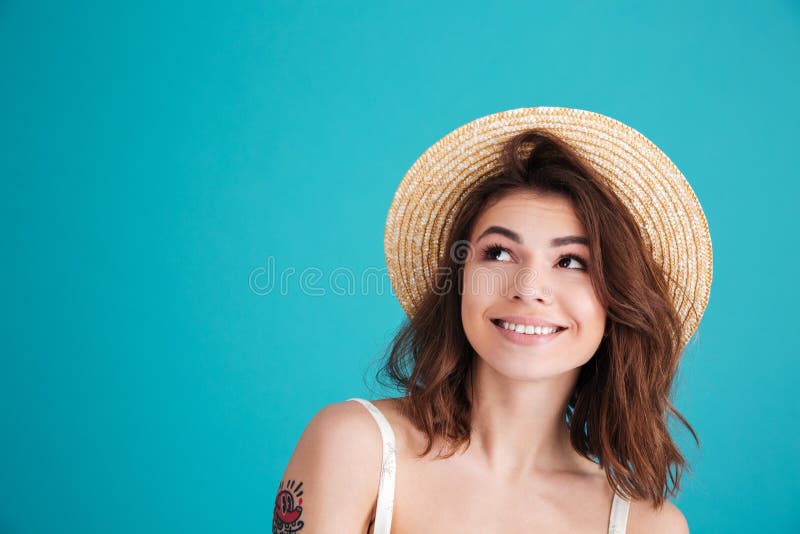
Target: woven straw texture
(658, 196)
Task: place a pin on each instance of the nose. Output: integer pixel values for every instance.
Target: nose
(529, 284)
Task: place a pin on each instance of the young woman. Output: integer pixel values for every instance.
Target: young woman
(553, 264)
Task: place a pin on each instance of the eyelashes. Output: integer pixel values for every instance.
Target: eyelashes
(490, 252)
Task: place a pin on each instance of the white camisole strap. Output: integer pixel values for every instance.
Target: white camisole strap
(385, 504)
(618, 522)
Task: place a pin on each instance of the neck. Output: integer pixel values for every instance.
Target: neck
(519, 427)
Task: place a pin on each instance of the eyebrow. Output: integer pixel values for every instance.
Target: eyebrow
(513, 236)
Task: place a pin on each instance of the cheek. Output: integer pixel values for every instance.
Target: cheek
(481, 287)
(586, 307)
(472, 305)
(482, 284)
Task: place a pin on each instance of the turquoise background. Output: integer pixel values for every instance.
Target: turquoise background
(154, 157)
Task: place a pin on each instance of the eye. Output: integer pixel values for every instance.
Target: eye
(496, 253)
(569, 258)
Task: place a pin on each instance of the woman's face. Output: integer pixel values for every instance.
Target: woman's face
(521, 273)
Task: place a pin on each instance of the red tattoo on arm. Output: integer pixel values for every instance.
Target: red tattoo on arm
(288, 508)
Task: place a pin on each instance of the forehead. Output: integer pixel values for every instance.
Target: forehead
(530, 214)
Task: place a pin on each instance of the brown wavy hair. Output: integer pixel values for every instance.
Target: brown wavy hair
(618, 412)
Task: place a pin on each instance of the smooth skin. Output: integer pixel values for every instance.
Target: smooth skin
(520, 473)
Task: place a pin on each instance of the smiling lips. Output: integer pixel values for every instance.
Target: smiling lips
(527, 331)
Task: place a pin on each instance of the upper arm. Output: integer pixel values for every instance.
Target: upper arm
(336, 466)
(665, 520)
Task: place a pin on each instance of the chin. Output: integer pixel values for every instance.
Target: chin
(527, 368)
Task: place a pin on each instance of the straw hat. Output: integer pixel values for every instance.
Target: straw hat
(658, 196)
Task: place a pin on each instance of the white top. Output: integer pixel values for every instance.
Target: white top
(617, 522)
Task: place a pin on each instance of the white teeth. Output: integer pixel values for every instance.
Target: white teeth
(529, 329)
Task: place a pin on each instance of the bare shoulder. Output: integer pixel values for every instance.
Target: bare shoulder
(644, 517)
(346, 424)
(331, 481)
